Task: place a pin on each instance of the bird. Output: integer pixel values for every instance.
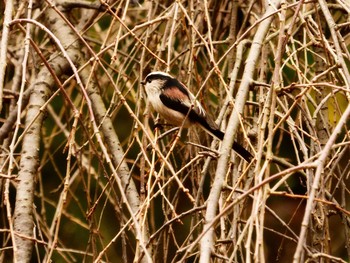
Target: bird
(178, 106)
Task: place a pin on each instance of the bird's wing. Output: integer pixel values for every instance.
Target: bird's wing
(185, 102)
(176, 100)
(177, 91)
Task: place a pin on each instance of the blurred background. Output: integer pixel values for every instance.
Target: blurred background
(108, 185)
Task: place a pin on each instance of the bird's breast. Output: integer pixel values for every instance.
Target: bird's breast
(171, 116)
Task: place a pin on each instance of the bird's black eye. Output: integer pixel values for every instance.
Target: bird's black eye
(148, 79)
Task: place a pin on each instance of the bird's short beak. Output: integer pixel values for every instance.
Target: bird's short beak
(143, 82)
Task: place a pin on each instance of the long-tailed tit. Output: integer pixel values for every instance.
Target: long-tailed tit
(177, 105)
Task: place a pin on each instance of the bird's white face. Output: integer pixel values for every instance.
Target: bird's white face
(153, 89)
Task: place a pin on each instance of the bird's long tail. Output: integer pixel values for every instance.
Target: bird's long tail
(216, 132)
(236, 146)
